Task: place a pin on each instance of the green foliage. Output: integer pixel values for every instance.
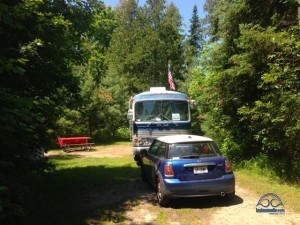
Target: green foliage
(259, 165)
(247, 87)
(146, 39)
(41, 41)
(275, 115)
(123, 134)
(34, 70)
(192, 50)
(9, 209)
(84, 116)
(195, 39)
(144, 43)
(70, 124)
(232, 150)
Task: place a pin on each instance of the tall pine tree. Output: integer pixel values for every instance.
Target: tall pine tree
(195, 38)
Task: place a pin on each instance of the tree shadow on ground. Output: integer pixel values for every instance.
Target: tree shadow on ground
(99, 194)
(87, 195)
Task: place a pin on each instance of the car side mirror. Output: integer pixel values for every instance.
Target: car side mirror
(143, 151)
(130, 114)
(193, 104)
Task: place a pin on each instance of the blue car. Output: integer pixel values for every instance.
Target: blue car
(187, 166)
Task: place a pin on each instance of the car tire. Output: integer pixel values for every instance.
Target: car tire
(143, 174)
(162, 199)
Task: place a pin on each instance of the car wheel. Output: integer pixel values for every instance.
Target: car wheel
(143, 174)
(162, 199)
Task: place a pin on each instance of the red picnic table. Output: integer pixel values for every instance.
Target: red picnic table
(66, 143)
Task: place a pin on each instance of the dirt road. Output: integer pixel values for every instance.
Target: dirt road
(143, 209)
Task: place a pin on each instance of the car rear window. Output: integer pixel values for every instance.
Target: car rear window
(193, 150)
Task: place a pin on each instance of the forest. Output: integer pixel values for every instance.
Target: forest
(69, 67)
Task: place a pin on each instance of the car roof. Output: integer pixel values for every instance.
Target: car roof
(183, 138)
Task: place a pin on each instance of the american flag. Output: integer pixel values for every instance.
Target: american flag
(170, 78)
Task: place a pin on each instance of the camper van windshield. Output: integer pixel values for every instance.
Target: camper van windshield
(161, 110)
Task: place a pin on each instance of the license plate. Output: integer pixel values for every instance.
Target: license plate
(200, 169)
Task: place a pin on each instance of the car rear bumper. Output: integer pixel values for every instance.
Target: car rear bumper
(175, 188)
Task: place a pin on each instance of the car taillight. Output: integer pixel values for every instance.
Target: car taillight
(169, 170)
(227, 166)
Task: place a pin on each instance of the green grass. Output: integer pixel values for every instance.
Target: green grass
(259, 184)
(70, 194)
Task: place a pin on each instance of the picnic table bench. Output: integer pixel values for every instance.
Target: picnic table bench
(69, 143)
